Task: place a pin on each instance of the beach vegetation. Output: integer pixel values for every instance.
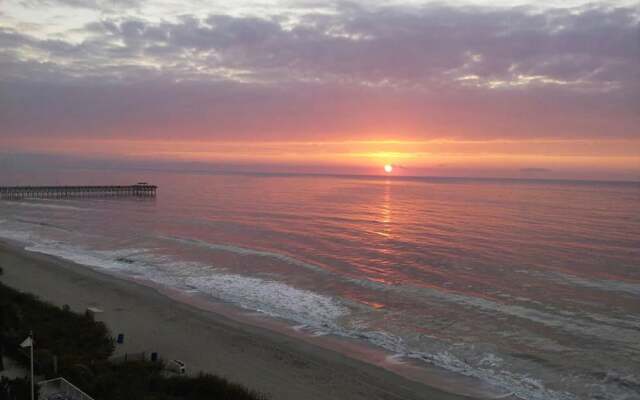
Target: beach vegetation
(78, 348)
(149, 380)
(15, 389)
(69, 337)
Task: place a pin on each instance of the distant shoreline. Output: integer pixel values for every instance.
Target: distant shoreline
(278, 365)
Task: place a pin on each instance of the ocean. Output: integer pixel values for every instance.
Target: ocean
(530, 286)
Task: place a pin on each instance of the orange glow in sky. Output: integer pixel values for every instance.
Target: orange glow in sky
(506, 157)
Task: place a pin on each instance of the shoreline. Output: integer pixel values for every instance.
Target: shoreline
(265, 359)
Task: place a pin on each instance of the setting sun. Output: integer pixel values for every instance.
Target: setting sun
(388, 168)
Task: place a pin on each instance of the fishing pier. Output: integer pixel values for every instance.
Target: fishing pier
(141, 189)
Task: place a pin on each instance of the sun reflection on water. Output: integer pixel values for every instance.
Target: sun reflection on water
(386, 217)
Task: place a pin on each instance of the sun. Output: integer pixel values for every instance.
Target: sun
(388, 168)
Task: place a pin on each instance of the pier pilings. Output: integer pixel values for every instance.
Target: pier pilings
(41, 192)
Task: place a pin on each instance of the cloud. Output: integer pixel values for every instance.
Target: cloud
(101, 5)
(419, 71)
(591, 48)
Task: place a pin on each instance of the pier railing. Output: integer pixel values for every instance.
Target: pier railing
(38, 192)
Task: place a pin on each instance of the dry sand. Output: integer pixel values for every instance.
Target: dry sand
(278, 365)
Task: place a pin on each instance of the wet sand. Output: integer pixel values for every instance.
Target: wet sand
(281, 366)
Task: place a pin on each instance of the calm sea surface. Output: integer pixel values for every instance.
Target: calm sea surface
(532, 286)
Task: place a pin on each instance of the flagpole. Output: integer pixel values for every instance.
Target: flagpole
(31, 347)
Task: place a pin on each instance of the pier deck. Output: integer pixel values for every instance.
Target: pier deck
(40, 192)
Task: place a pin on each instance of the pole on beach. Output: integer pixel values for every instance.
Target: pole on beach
(32, 383)
(28, 342)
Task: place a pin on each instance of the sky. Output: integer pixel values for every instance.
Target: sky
(535, 89)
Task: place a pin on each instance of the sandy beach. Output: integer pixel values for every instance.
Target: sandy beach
(275, 364)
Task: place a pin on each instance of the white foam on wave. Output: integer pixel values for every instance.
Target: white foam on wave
(315, 313)
(319, 315)
(601, 284)
(39, 224)
(49, 206)
(245, 251)
(397, 359)
(268, 297)
(606, 285)
(15, 235)
(272, 298)
(520, 385)
(107, 260)
(487, 367)
(626, 333)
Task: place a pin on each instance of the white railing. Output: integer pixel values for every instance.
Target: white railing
(54, 388)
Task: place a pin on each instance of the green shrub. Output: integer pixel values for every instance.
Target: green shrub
(83, 347)
(74, 338)
(205, 387)
(147, 380)
(16, 389)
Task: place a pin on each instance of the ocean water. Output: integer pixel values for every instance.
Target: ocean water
(532, 287)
